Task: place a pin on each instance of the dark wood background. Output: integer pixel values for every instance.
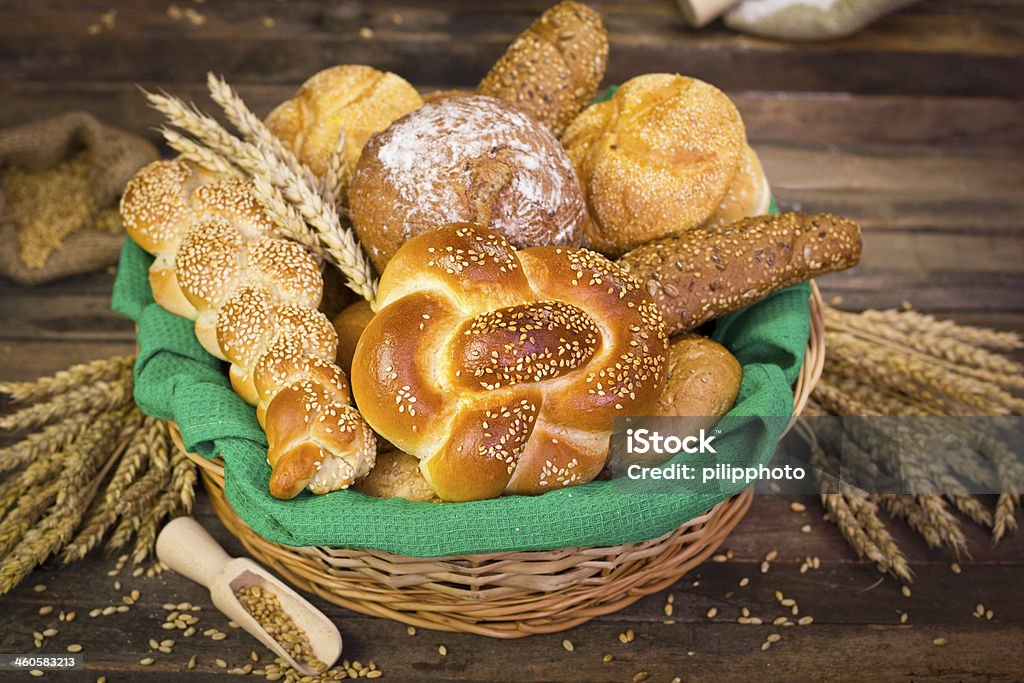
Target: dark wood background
(914, 127)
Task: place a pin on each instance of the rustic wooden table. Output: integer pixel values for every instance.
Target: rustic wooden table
(915, 127)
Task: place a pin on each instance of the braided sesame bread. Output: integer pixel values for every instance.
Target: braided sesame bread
(254, 301)
(654, 160)
(466, 159)
(501, 370)
(553, 68)
(359, 99)
(709, 272)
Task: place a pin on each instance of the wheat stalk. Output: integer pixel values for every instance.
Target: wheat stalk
(103, 370)
(89, 399)
(290, 223)
(340, 242)
(42, 444)
(337, 178)
(254, 131)
(972, 507)
(957, 352)
(912, 322)
(79, 462)
(191, 150)
(176, 499)
(104, 513)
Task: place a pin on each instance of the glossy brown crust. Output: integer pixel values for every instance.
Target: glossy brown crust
(349, 324)
(468, 159)
(359, 99)
(654, 160)
(553, 68)
(254, 301)
(502, 370)
(702, 379)
(709, 272)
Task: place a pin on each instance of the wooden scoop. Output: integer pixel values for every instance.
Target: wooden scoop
(188, 549)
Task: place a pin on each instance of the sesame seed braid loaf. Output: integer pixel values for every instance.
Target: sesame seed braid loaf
(711, 271)
(501, 370)
(553, 68)
(254, 301)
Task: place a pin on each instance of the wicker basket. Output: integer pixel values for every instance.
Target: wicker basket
(509, 594)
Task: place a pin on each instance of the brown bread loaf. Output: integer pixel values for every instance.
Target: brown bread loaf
(702, 380)
(709, 272)
(359, 99)
(553, 69)
(470, 159)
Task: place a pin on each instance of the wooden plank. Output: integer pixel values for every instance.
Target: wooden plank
(26, 360)
(980, 126)
(924, 54)
(848, 621)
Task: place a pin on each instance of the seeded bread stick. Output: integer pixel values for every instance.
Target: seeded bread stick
(706, 273)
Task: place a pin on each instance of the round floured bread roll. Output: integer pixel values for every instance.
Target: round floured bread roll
(503, 370)
(360, 99)
(465, 159)
(654, 160)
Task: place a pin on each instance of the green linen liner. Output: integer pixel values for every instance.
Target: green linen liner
(175, 379)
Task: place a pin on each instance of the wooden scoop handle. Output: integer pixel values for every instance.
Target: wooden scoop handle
(187, 548)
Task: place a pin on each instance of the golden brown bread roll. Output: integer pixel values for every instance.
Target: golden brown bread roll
(749, 193)
(553, 68)
(501, 370)
(654, 160)
(350, 324)
(702, 379)
(397, 475)
(359, 99)
(465, 159)
(709, 272)
(254, 301)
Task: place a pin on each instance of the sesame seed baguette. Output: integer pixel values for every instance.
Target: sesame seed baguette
(708, 272)
(254, 298)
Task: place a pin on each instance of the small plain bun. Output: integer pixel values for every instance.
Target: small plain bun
(748, 195)
(654, 160)
(465, 159)
(360, 99)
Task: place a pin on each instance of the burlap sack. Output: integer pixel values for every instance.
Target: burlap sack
(116, 156)
(808, 20)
